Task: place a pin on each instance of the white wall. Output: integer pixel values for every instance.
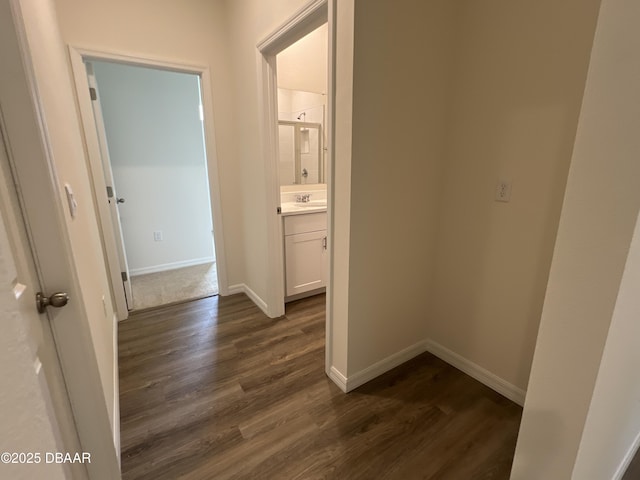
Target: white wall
(588, 307)
(191, 31)
(222, 35)
(292, 103)
(517, 80)
(339, 188)
(156, 147)
(400, 85)
(431, 256)
(303, 65)
(249, 22)
(612, 430)
(484, 96)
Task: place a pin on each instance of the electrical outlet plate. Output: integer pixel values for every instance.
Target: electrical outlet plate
(503, 191)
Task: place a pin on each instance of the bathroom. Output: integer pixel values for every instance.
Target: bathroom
(302, 172)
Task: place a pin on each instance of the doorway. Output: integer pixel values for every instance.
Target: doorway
(153, 129)
(155, 177)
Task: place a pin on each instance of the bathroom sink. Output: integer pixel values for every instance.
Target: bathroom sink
(302, 207)
(311, 204)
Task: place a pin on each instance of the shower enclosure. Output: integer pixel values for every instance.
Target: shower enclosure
(301, 158)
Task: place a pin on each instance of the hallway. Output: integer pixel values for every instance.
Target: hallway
(215, 389)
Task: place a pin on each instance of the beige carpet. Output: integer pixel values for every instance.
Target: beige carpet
(171, 286)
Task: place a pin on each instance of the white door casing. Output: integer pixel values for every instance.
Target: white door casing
(302, 22)
(79, 56)
(308, 18)
(43, 206)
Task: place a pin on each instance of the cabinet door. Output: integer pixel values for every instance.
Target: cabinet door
(305, 261)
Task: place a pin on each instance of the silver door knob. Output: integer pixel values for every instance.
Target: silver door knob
(119, 200)
(57, 300)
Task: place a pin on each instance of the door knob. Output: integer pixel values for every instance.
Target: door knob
(119, 200)
(57, 300)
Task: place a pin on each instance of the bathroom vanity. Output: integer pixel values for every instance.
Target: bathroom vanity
(305, 248)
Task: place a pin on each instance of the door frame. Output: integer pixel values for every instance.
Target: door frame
(78, 55)
(304, 21)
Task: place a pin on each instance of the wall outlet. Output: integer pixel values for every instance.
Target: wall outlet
(503, 191)
(157, 236)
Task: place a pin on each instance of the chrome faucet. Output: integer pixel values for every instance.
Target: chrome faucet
(304, 198)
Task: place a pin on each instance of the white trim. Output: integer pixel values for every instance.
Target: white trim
(255, 298)
(465, 365)
(474, 370)
(626, 461)
(174, 65)
(338, 378)
(302, 22)
(214, 181)
(305, 20)
(116, 391)
(384, 365)
(170, 266)
(235, 289)
(108, 235)
(268, 104)
(339, 128)
(79, 54)
(330, 155)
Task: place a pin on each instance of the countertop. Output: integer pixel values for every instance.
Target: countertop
(294, 208)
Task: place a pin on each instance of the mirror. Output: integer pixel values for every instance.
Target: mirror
(301, 153)
(302, 85)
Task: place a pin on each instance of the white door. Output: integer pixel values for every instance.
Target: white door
(29, 151)
(19, 284)
(120, 275)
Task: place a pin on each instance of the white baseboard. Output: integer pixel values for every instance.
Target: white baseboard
(170, 266)
(626, 461)
(234, 289)
(363, 376)
(481, 374)
(339, 379)
(255, 298)
(116, 390)
(476, 371)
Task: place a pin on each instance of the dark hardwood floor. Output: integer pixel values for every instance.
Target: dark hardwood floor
(213, 389)
(633, 471)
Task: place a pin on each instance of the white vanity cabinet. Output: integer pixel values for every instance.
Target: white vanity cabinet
(305, 246)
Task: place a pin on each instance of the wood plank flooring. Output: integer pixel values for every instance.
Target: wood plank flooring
(633, 471)
(213, 389)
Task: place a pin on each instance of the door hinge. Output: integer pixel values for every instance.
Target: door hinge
(125, 277)
(279, 210)
(93, 94)
(109, 192)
